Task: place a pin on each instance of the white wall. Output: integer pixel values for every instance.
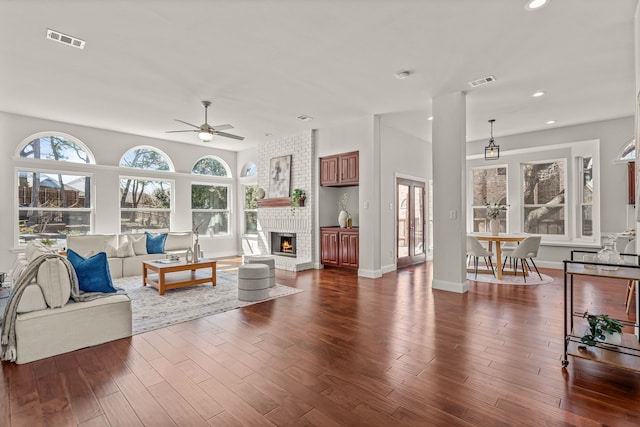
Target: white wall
(402, 155)
(108, 147)
(612, 134)
(247, 245)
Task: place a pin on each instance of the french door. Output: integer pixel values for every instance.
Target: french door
(410, 214)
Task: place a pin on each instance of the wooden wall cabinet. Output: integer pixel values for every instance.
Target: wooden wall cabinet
(339, 247)
(340, 170)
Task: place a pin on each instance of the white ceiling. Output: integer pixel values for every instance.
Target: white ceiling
(264, 62)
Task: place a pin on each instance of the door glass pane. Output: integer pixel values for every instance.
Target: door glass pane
(418, 198)
(403, 223)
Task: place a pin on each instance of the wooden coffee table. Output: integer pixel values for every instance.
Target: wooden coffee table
(178, 274)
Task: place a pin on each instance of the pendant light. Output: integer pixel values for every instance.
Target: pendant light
(492, 151)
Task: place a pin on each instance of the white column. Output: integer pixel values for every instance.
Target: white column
(449, 192)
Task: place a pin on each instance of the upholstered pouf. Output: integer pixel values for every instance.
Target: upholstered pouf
(267, 260)
(253, 282)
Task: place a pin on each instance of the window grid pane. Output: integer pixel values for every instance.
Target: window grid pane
(489, 186)
(544, 198)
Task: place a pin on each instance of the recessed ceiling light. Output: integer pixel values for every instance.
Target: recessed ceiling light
(403, 75)
(550, 122)
(430, 118)
(305, 118)
(537, 94)
(535, 4)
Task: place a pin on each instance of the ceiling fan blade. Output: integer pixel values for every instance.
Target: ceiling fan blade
(176, 131)
(228, 135)
(186, 123)
(222, 127)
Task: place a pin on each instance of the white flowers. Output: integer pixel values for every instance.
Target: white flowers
(343, 201)
(493, 210)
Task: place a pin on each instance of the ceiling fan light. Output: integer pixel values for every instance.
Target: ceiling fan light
(205, 136)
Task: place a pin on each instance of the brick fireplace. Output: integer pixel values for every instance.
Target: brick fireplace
(286, 220)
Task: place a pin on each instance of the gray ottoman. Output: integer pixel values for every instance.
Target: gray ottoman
(253, 282)
(267, 260)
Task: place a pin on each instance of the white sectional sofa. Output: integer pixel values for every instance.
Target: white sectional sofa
(90, 244)
(49, 323)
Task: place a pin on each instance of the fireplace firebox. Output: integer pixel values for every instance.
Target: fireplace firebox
(283, 244)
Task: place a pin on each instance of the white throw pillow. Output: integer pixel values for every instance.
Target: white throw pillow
(53, 278)
(139, 243)
(34, 249)
(124, 250)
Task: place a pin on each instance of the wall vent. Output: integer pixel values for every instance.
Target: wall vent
(482, 81)
(65, 39)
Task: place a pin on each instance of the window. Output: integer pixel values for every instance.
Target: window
(585, 166)
(147, 158)
(211, 166)
(543, 189)
(145, 204)
(53, 203)
(489, 186)
(210, 209)
(250, 209)
(250, 169)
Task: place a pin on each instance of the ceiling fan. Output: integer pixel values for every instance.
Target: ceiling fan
(205, 130)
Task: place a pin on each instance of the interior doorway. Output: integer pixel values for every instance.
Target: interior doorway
(410, 217)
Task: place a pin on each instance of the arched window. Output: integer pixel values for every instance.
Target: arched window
(52, 202)
(59, 147)
(628, 151)
(148, 158)
(211, 165)
(145, 204)
(250, 169)
(210, 203)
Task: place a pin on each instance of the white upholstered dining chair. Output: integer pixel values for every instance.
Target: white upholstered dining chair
(526, 251)
(475, 250)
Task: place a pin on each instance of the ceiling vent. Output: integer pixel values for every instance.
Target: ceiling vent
(482, 81)
(65, 39)
(305, 118)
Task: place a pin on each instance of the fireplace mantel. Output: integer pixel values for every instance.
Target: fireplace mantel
(280, 202)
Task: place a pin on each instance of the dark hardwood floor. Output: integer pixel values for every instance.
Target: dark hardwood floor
(346, 351)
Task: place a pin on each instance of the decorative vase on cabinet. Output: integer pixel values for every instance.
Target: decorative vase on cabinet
(342, 218)
(494, 226)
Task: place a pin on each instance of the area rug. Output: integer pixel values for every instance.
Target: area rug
(532, 279)
(153, 311)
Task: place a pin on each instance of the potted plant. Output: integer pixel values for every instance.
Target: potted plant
(602, 328)
(47, 241)
(297, 198)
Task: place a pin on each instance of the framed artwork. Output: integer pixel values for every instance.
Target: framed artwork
(280, 177)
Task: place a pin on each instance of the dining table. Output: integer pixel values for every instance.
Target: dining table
(498, 240)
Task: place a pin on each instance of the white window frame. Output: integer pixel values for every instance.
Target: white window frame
(170, 210)
(228, 210)
(491, 166)
(569, 152)
(565, 205)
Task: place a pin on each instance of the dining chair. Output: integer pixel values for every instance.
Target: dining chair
(526, 251)
(475, 250)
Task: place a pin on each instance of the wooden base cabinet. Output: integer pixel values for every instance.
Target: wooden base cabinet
(339, 247)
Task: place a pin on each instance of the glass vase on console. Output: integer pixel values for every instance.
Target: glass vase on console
(609, 255)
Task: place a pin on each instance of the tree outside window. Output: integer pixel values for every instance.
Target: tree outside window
(52, 205)
(210, 209)
(489, 186)
(250, 210)
(544, 197)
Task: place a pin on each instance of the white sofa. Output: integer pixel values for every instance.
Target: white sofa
(89, 244)
(48, 323)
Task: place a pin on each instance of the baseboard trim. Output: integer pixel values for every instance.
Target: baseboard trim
(370, 274)
(443, 285)
(389, 268)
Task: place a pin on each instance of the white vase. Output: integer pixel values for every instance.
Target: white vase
(494, 226)
(342, 218)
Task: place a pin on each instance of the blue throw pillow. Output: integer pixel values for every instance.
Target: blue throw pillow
(93, 273)
(155, 245)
